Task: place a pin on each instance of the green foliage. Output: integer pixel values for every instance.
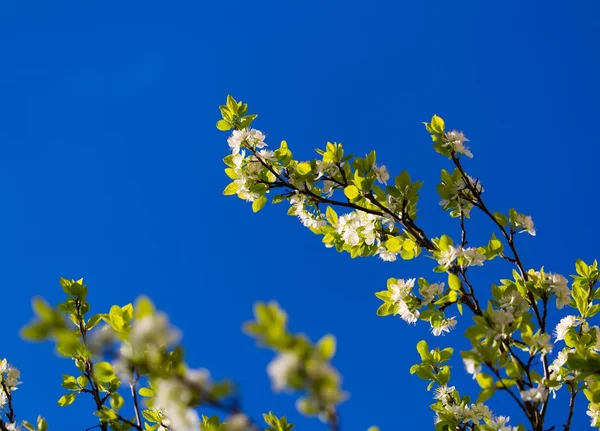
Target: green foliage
(277, 424)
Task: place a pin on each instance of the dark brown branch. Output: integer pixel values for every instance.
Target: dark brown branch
(574, 392)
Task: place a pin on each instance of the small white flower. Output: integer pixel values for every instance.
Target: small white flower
(564, 325)
(473, 257)
(525, 222)
(536, 395)
(448, 256)
(561, 359)
(253, 137)
(502, 317)
(386, 255)
(405, 313)
(445, 326)
(401, 289)
(173, 399)
(594, 413)
(514, 302)
(381, 174)
(472, 367)
(542, 343)
(479, 412)
(281, 368)
(456, 140)
(443, 392)
(559, 286)
(430, 291)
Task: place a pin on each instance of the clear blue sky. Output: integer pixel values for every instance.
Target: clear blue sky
(110, 169)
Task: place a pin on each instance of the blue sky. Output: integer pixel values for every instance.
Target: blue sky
(110, 169)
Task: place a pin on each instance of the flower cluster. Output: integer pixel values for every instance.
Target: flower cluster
(456, 141)
(524, 224)
(310, 219)
(470, 256)
(248, 138)
(9, 380)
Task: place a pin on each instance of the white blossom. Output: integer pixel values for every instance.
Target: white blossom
(445, 326)
(357, 227)
(386, 255)
(430, 291)
(502, 317)
(537, 395)
(381, 174)
(251, 137)
(478, 412)
(443, 392)
(525, 222)
(456, 140)
(150, 335)
(173, 399)
(472, 257)
(564, 325)
(542, 342)
(472, 367)
(401, 288)
(500, 423)
(281, 368)
(594, 413)
(448, 256)
(561, 290)
(514, 302)
(306, 218)
(9, 375)
(406, 314)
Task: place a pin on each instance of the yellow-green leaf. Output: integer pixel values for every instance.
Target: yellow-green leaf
(303, 168)
(326, 346)
(66, 399)
(393, 244)
(485, 381)
(351, 192)
(408, 244)
(223, 125)
(259, 203)
(437, 124)
(104, 372)
(231, 189)
(454, 281)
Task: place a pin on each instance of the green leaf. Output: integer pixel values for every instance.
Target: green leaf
(104, 372)
(326, 346)
(331, 215)
(485, 394)
(146, 392)
(423, 349)
(409, 244)
(454, 281)
(351, 192)
(231, 189)
(303, 168)
(67, 399)
(116, 401)
(259, 203)
(485, 381)
(393, 244)
(143, 307)
(69, 382)
(437, 124)
(501, 218)
(223, 125)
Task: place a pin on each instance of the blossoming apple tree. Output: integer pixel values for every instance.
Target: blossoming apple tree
(130, 362)
(355, 206)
